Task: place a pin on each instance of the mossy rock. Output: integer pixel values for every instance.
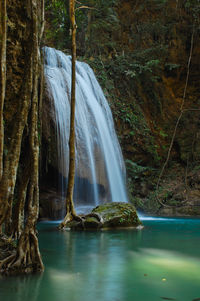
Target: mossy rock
(110, 215)
(117, 215)
(92, 222)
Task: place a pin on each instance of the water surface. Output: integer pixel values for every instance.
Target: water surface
(160, 262)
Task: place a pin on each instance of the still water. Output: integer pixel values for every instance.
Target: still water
(160, 262)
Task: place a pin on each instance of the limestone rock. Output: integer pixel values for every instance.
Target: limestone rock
(108, 216)
(52, 205)
(117, 215)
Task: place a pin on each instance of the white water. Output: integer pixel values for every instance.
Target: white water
(100, 171)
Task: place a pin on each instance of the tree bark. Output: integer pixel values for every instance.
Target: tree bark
(23, 132)
(18, 210)
(3, 36)
(70, 211)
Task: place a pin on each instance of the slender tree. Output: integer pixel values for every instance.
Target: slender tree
(70, 211)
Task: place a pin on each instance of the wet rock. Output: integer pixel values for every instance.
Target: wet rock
(110, 215)
(52, 205)
(118, 215)
(92, 222)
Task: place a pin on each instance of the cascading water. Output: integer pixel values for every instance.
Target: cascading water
(100, 170)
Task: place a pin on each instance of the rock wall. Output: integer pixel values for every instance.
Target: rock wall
(170, 30)
(140, 51)
(144, 74)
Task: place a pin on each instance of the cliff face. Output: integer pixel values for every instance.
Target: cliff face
(153, 46)
(142, 52)
(168, 31)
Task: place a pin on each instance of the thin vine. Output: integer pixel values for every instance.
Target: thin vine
(177, 123)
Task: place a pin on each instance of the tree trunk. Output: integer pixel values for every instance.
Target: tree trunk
(70, 211)
(3, 36)
(18, 209)
(21, 141)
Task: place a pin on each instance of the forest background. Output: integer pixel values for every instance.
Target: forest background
(142, 53)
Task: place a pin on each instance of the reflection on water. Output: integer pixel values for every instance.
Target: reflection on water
(161, 262)
(20, 288)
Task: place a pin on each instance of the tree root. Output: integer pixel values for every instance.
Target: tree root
(26, 259)
(73, 217)
(68, 219)
(96, 215)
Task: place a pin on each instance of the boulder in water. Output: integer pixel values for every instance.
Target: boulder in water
(118, 215)
(108, 216)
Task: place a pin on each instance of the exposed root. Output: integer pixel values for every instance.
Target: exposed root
(96, 215)
(7, 260)
(69, 218)
(26, 259)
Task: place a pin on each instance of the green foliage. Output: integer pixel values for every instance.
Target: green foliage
(171, 66)
(162, 134)
(102, 23)
(57, 24)
(57, 29)
(193, 6)
(148, 67)
(135, 170)
(160, 2)
(138, 177)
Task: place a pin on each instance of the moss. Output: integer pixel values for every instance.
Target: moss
(110, 215)
(91, 223)
(118, 215)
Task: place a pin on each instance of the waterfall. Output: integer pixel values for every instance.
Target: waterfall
(100, 170)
